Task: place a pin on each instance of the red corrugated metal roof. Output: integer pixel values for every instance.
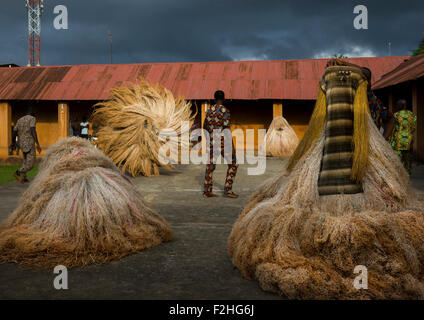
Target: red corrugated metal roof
(411, 69)
(274, 79)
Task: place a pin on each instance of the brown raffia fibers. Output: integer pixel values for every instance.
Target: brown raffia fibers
(81, 210)
(63, 148)
(130, 122)
(281, 140)
(304, 246)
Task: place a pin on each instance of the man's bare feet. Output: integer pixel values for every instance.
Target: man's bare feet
(231, 195)
(208, 195)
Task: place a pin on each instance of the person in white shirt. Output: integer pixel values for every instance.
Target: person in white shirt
(84, 128)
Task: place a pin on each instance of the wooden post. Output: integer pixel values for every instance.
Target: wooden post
(391, 100)
(277, 110)
(5, 128)
(204, 108)
(415, 111)
(419, 86)
(63, 120)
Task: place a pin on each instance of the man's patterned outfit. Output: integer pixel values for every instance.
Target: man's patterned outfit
(402, 136)
(26, 142)
(218, 118)
(379, 112)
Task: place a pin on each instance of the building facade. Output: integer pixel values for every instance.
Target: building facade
(407, 82)
(256, 91)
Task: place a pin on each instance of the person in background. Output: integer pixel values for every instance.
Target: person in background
(193, 139)
(17, 148)
(75, 125)
(26, 133)
(401, 133)
(379, 112)
(217, 119)
(95, 129)
(71, 129)
(84, 127)
(14, 147)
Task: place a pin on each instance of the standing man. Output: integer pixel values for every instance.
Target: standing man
(217, 119)
(402, 128)
(84, 127)
(28, 143)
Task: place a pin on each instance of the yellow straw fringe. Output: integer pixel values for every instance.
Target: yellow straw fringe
(315, 127)
(360, 133)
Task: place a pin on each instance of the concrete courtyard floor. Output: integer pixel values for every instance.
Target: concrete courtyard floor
(195, 265)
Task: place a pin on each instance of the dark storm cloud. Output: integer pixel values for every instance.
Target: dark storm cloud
(207, 30)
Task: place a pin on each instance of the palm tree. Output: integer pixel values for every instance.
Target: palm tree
(420, 49)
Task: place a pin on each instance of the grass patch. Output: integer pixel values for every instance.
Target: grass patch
(6, 173)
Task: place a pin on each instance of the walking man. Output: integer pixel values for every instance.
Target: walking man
(28, 143)
(217, 120)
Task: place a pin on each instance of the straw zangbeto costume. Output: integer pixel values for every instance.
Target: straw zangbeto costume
(130, 123)
(280, 140)
(80, 209)
(346, 201)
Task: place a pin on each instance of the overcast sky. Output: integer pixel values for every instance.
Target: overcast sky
(211, 30)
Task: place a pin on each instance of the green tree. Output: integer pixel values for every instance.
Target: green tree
(339, 56)
(420, 49)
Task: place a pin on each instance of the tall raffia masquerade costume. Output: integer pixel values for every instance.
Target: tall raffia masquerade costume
(346, 202)
(280, 140)
(130, 124)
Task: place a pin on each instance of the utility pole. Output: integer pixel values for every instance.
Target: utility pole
(390, 49)
(110, 41)
(35, 10)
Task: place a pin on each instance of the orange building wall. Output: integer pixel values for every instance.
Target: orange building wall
(46, 115)
(298, 114)
(251, 115)
(5, 128)
(257, 115)
(244, 115)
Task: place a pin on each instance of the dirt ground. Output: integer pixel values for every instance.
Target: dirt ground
(195, 265)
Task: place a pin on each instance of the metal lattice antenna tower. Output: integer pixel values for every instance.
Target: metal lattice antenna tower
(35, 9)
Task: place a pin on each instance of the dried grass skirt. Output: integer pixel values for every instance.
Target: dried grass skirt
(280, 140)
(79, 210)
(301, 245)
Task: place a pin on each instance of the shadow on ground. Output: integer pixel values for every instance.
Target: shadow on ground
(195, 265)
